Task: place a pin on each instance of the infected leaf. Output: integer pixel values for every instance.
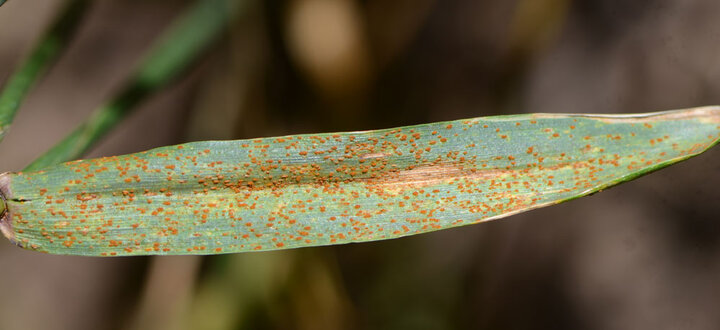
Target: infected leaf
(322, 189)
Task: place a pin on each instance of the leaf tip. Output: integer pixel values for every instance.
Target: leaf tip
(709, 114)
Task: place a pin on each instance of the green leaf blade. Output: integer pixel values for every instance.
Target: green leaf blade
(322, 189)
(183, 42)
(49, 47)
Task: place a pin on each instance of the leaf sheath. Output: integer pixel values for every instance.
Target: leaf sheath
(309, 190)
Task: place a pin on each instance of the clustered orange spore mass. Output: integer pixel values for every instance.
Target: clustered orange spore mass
(308, 190)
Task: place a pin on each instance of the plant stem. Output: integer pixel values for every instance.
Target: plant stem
(187, 38)
(40, 59)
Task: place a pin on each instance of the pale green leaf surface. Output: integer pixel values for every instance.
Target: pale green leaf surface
(309, 190)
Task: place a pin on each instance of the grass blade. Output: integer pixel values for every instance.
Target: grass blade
(309, 190)
(189, 36)
(50, 45)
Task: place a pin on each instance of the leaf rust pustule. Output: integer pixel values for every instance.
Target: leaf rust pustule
(322, 189)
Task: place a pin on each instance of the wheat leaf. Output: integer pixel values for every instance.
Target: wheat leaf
(188, 37)
(49, 47)
(309, 190)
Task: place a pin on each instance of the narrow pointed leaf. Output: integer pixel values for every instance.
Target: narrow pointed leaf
(309, 190)
(181, 44)
(50, 45)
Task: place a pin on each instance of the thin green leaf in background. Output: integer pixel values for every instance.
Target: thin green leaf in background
(184, 41)
(309, 190)
(49, 47)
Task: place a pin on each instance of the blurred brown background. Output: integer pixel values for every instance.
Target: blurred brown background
(644, 255)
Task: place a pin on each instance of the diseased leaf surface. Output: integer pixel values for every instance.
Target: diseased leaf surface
(309, 190)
